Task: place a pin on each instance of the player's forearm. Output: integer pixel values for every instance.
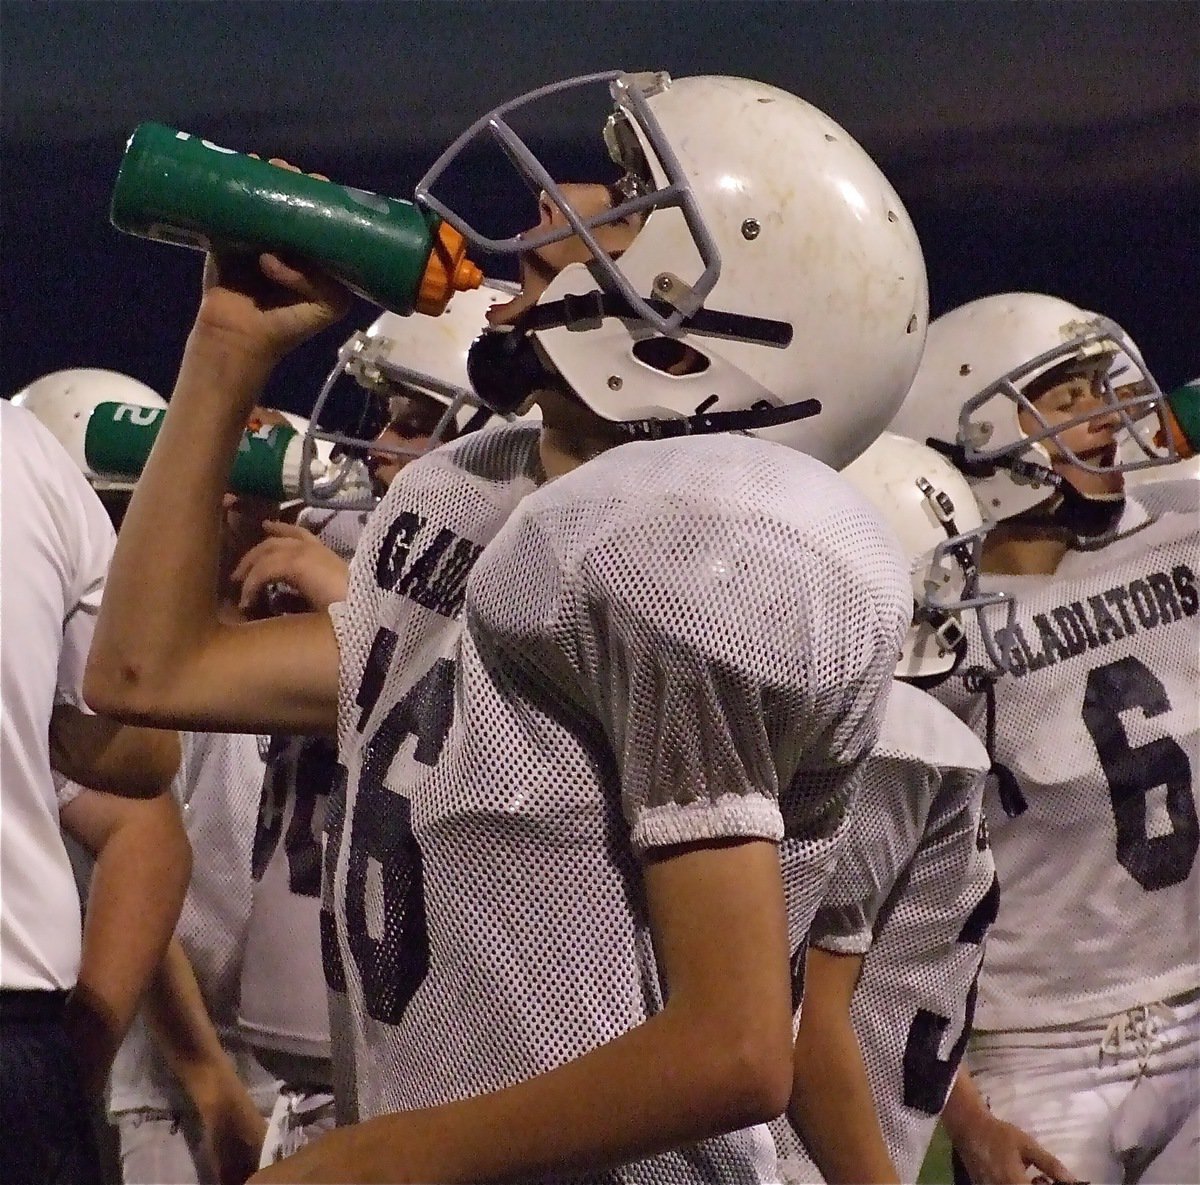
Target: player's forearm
(98, 752)
(663, 1084)
(181, 1027)
(965, 1110)
(141, 872)
(832, 1108)
(833, 1112)
(161, 598)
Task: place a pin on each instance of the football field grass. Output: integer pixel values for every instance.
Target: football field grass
(936, 1169)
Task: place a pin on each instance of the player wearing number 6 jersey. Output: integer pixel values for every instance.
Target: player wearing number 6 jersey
(1088, 1018)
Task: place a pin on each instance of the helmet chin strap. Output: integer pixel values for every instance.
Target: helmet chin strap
(1087, 521)
(761, 415)
(978, 680)
(946, 627)
(1023, 471)
(505, 369)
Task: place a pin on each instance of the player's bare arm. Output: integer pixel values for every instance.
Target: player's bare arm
(831, 1105)
(716, 1058)
(143, 863)
(117, 758)
(161, 655)
(175, 1011)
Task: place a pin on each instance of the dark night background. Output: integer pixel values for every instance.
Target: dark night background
(1040, 145)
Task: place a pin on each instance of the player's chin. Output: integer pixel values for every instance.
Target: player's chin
(1101, 455)
(538, 268)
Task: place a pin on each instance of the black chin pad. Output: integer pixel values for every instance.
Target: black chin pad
(1087, 519)
(504, 370)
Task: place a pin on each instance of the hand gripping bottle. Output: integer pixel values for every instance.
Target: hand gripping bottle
(177, 188)
(115, 439)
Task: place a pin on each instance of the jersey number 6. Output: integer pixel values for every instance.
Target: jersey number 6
(390, 942)
(1154, 861)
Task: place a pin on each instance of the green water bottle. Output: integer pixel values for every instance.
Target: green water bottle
(1182, 415)
(177, 188)
(117, 439)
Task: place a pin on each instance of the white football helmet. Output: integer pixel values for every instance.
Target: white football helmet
(409, 364)
(65, 402)
(772, 246)
(979, 359)
(930, 507)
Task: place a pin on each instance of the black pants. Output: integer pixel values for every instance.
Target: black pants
(46, 1136)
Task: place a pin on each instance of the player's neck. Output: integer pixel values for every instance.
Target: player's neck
(1023, 549)
(571, 434)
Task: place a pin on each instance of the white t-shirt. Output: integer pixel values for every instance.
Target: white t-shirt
(55, 545)
(679, 641)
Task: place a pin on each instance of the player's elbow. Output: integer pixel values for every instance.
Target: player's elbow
(114, 689)
(755, 1077)
(127, 690)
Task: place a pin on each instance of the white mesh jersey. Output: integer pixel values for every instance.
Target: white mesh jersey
(677, 641)
(339, 530)
(914, 891)
(218, 784)
(284, 1005)
(1096, 847)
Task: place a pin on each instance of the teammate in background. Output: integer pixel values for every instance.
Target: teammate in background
(1088, 1019)
(188, 1099)
(568, 774)
(66, 995)
(413, 394)
(411, 391)
(896, 944)
(283, 1011)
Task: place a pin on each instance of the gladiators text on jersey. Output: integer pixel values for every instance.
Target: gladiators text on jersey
(1068, 631)
(435, 574)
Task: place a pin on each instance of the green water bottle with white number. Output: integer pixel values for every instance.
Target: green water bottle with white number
(178, 188)
(115, 439)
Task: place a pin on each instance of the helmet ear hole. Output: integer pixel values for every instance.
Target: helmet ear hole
(669, 356)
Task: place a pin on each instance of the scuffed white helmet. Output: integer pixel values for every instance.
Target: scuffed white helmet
(773, 247)
(980, 358)
(402, 364)
(930, 507)
(65, 402)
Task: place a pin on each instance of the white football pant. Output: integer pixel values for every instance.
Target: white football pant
(1116, 1101)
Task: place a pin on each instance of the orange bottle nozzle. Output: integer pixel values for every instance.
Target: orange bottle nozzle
(447, 272)
(1182, 445)
(1181, 419)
